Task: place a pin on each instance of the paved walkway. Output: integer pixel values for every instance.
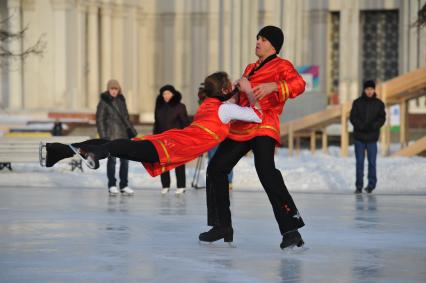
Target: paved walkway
(69, 234)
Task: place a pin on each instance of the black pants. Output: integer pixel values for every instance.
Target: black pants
(125, 150)
(123, 173)
(180, 177)
(141, 151)
(226, 157)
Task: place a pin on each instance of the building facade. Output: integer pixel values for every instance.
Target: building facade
(148, 43)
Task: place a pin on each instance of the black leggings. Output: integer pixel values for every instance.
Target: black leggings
(141, 151)
(226, 157)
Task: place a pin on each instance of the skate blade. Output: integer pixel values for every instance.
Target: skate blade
(42, 153)
(89, 162)
(217, 245)
(295, 249)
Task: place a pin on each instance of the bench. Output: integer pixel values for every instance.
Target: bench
(26, 150)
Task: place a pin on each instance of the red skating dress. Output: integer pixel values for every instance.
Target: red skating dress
(179, 146)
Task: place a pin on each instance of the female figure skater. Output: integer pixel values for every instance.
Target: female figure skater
(163, 152)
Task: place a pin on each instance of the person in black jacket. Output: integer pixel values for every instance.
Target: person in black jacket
(367, 116)
(112, 122)
(170, 113)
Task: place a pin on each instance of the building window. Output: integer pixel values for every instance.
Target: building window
(379, 44)
(334, 53)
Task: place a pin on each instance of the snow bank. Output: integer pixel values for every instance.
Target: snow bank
(304, 173)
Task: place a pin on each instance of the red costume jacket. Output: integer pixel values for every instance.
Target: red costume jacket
(290, 85)
(179, 146)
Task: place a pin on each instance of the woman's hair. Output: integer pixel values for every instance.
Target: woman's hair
(169, 88)
(213, 85)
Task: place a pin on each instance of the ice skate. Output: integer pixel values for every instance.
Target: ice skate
(90, 155)
(113, 191)
(88, 158)
(292, 239)
(51, 153)
(126, 191)
(369, 189)
(217, 233)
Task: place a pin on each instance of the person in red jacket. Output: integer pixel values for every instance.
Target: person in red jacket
(162, 152)
(273, 80)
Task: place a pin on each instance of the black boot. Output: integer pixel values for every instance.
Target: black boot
(292, 239)
(358, 191)
(369, 189)
(216, 233)
(56, 152)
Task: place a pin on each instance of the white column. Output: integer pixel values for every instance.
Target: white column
(60, 53)
(30, 65)
(188, 91)
(213, 37)
(147, 65)
(133, 90)
(92, 71)
(290, 27)
(106, 44)
(227, 40)
(179, 51)
(270, 13)
(15, 64)
(78, 82)
(165, 54)
(349, 51)
(117, 43)
(254, 28)
(236, 39)
(245, 34)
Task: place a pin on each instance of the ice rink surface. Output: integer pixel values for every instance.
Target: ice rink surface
(74, 234)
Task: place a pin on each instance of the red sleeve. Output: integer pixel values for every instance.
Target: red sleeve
(242, 99)
(291, 83)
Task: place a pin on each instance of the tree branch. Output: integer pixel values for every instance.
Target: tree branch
(7, 36)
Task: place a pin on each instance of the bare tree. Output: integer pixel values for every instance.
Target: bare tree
(7, 36)
(421, 18)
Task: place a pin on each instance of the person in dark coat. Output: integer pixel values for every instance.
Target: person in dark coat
(112, 122)
(57, 128)
(367, 116)
(170, 113)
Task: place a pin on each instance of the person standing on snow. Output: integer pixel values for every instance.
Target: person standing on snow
(170, 113)
(112, 122)
(367, 116)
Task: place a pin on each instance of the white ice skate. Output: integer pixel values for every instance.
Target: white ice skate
(113, 191)
(89, 161)
(127, 191)
(42, 154)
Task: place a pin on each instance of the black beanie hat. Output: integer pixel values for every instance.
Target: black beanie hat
(274, 35)
(369, 83)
